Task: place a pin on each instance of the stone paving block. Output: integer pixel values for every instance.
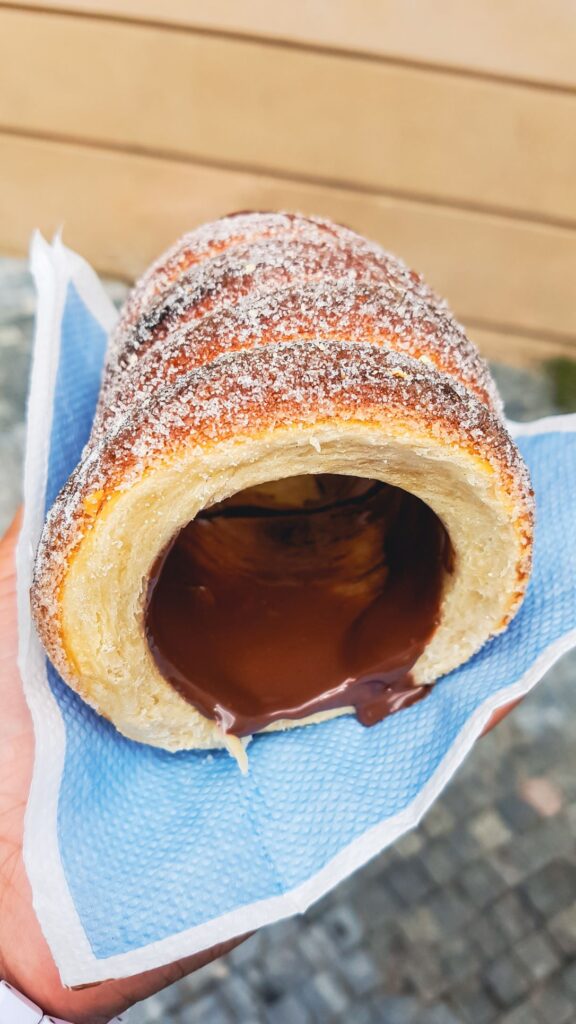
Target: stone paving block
(207, 1008)
(510, 862)
(247, 952)
(516, 814)
(554, 1005)
(456, 798)
(524, 1013)
(359, 972)
(473, 1002)
(538, 955)
(242, 999)
(375, 903)
(420, 925)
(512, 917)
(410, 844)
(283, 932)
(396, 1009)
(450, 910)
(324, 997)
(424, 972)
(344, 927)
(488, 937)
(568, 979)
(490, 830)
(282, 968)
(442, 861)
(464, 845)
(562, 928)
(457, 959)
(507, 980)
(552, 888)
(318, 947)
(160, 1006)
(439, 820)
(287, 1010)
(410, 880)
(481, 883)
(440, 1014)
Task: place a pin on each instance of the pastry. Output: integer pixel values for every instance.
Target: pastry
(299, 498)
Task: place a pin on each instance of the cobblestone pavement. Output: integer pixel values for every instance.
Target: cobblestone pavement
(469, 919)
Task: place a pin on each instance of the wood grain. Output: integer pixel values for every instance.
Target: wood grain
(525, 39)
(322, 117)
(121, 210)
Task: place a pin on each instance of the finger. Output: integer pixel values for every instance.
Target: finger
(500, 714)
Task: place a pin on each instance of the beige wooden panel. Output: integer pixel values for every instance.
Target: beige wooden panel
(527, 39)
(121, 210)
(292, 112)
(518, 349)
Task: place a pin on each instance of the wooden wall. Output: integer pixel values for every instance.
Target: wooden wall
(446, 130)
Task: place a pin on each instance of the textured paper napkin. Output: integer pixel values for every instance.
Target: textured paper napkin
(136, 856)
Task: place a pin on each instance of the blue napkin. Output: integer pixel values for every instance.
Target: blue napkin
(137, 856)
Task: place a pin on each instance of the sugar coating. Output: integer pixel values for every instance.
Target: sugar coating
(294, 349)
(350, 309)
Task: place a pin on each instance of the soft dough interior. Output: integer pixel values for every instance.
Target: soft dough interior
(105, 635)
(299, 595)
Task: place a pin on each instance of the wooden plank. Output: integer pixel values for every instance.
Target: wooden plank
(405, 131)
(524, 39)
(121, 210)
(519, 349)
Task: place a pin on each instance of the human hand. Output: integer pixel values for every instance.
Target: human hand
(25, 960)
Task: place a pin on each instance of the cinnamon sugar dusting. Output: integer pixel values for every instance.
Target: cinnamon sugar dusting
(268, 320)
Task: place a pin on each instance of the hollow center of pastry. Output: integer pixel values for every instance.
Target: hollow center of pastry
(297, 597)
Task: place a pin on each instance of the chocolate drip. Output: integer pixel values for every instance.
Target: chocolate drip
(293, 598)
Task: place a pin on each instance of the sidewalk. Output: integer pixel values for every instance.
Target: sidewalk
(470, 919)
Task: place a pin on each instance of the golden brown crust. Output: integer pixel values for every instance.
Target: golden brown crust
(262, 325)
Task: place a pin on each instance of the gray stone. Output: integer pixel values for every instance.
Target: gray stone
(318, 947)
(343, 926)
(473, 1002)
(516, 813)
(441, 861)
(288, 1010)
(439, 1014)
(457, 960)
(207, 1008)
(324, 997)
(439, 820)
(481, 884)
(450, 910)
(410, 844)
(249, 951)
(420, 925)
(562, 928)
(512, 917)
(568, 979)
(425, 972)
(507, 980)
(464, 845)
(552, 888)
(396, 1009)
(538, 955)
(242, 1000)
(359, 972)
(554, 1005)
(409, 880)
(490, 830)
(524, 1013)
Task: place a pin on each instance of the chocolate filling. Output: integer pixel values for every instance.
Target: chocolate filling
(309, 594)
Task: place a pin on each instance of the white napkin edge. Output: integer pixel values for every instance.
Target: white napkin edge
(53, 268)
